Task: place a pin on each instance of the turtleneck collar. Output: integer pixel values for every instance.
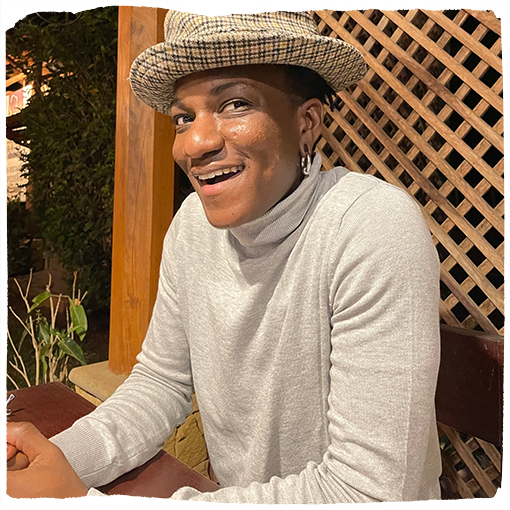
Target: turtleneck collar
(262, 234)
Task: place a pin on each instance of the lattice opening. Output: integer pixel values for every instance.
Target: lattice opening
(440, 217)
(404, 41)
(389, 28)
(473, 178)
(422, 197)
(436, 105)
(376, 146)
(477, 295)
(460, 312)
(419, 19)
(494, 237)
(497, 318)
(493, 197)
(456, 234)
(420, 126)
(475, 255)
(495, 277)
(493, 156)
(491, 116)
(471, 62)
(470, 24)
(455, 197)
(406, 179)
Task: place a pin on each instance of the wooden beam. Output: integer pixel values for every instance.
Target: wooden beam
(144, 194)
(14, 79)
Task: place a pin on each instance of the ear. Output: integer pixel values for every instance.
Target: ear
(310, 115)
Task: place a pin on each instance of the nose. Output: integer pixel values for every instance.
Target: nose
(203, 138)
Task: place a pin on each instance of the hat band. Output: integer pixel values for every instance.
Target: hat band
(247, 32)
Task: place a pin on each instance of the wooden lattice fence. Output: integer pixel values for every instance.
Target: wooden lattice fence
(471, 466)
(428, 117)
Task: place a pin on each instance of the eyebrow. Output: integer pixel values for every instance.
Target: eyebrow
(176, 102)
(224, 86)
(216, 91)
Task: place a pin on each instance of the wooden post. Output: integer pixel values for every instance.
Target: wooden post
(144, 194)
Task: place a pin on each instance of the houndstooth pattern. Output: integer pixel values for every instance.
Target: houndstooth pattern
(196, 42)
(180, 25)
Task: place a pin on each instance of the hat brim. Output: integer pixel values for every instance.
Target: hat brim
(155, 71)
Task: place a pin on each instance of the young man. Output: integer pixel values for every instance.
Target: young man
(302, 306)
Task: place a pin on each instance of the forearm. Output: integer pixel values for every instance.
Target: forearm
(314, 485)
(132, 425)
(125, 431)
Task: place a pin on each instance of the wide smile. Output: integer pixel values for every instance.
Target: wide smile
(216, 181)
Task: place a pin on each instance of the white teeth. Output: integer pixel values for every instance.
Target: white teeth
(233, 169)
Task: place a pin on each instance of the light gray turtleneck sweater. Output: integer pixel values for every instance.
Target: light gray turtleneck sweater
(311, 338)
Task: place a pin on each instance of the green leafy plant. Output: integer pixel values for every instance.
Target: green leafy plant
(19, 238)
(52, 346)
(71, 61)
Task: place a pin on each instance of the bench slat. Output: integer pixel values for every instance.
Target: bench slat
(469, 396)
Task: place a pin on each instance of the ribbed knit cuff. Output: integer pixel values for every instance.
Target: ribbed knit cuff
(86, 451)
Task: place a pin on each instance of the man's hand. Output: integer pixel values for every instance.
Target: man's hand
(48, 475)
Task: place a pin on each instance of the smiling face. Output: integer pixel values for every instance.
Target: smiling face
(238, 138)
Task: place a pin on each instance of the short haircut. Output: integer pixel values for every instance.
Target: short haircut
(307, 84)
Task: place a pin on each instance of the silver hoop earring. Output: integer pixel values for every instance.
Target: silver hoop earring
(306, 164)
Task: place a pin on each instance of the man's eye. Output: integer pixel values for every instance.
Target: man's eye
(180, 120)
(235, 105)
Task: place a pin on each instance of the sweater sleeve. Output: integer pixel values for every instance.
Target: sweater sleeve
(384, 302)
(131, 426)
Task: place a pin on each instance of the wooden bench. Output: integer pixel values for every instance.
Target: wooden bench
(469, 401)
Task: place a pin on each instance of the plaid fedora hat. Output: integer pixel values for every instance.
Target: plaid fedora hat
(196, 42)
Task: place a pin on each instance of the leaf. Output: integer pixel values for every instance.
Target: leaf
(45, 351)
(39, 300)
(70, 347)
(57, 333)
(68, 170)
(43, 332)
(78, 318)
(23, 336)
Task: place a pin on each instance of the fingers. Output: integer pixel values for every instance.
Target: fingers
(49, 476)
(26, 438)
(19, 461)
(11, 451)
